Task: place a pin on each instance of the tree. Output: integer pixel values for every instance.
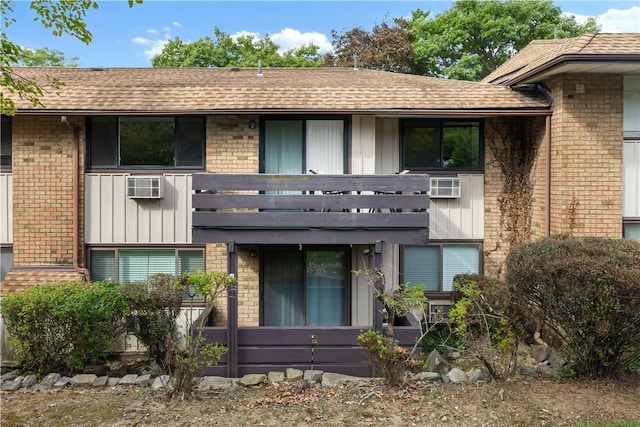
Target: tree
(63, 17)
(245, 51)
(474, 37)
(387, 47)
(45, 57)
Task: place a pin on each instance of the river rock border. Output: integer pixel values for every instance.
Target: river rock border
(11, 382)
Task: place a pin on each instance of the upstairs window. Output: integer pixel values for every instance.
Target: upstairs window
(146, 142)
(5, 142)
(441, 145)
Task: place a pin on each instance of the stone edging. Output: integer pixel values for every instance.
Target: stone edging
(55, 381)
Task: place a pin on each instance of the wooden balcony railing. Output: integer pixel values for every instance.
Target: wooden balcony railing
(308, 209)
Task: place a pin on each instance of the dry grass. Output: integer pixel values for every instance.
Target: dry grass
(525, 401)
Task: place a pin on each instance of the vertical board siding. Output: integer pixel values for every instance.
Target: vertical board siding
(6, 208)
(129, 343)
(387, 146)
(461, 218)
(111, 217)
(631, 179)
(363, 140)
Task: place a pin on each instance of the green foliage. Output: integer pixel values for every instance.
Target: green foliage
(442, 337)
(64, 17)
(44, 57)
(474, 37)
(224, 51)
(587, 290)
(155, 306)
(208, 285)
(386, 357)
(195, 354)
(65, 326)
(483, 318)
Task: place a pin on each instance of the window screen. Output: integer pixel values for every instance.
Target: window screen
(436, 265)
(422, 266)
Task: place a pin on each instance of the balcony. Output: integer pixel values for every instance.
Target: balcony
(310, 209)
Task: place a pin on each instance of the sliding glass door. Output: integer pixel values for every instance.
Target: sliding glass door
(299, 146)
(307, 287)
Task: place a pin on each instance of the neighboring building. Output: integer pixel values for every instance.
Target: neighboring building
(110, 180)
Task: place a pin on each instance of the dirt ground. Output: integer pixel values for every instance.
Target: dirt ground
(524, 401)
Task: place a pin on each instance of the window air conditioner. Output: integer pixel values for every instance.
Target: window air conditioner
(145, 187)
(444, 188)
(439, 311)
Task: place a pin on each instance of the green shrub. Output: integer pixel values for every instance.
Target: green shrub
(483, 316)
(587, 290)
(62, 327)
(155, 306)
(196, 354)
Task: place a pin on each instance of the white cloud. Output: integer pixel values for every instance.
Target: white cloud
(290, 38)
(615, 20)
(140, 40)
(154, 46)
(152, 31)
(234, 37)
(176, 24)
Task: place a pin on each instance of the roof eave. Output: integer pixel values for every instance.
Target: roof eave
(484, 112)
(529, 76)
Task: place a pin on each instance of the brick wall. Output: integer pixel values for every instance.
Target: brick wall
(586, 154)
(586, 166)
(232, 147)
(42, 166)
(496, 235)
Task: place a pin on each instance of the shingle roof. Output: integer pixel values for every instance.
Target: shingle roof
(539, 55)
(157, 90)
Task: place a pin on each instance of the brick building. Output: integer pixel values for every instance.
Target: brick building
(128, 172)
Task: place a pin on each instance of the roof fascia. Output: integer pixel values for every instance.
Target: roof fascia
(573, 59)
(492, 112)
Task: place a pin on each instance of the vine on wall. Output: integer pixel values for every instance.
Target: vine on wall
(514, 146)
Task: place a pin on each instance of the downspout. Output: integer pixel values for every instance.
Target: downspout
(76, 205)
(547, 178)
(547, 173)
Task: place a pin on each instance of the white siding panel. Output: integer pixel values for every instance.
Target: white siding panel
(168, 230)
(387, 159)
(631, 179)
(119, 226)
(6, 208)
(461, 218)
(111, 217)
(361, 296)
(363, 140)
(182, 201)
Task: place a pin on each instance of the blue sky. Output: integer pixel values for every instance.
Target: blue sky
(124, 37)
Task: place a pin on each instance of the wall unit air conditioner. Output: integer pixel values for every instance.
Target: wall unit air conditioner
(444, 188)
(145, 187)
(439, 311)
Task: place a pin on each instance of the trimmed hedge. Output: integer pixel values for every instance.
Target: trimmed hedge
(587, 290)
(62, 327)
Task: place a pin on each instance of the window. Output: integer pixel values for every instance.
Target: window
(131, 265)
(146, 142)
(440, 145)
(436, 265)
(305, 287)
(6, 261)
(632, 231)
(297, 146)
(5, 142)
(631, 108)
